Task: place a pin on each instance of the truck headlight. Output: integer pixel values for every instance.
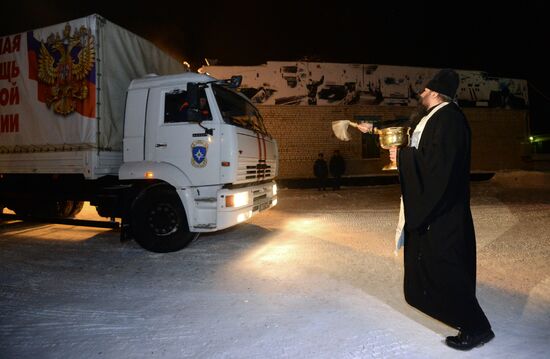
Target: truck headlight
(274, 189)
(236, 200)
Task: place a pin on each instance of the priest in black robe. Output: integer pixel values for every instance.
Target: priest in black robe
(440, 247)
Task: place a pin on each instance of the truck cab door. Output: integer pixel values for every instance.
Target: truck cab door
(173, 138)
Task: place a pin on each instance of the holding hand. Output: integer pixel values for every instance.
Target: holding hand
(365, 127)
(393, 154)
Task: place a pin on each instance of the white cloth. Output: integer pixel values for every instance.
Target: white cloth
(415, 140)
(399, 234)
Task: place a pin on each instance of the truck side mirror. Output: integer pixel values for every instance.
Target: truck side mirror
(236, 81)
(193, 95)
(193, 100)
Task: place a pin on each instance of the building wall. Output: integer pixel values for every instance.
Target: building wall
(499, 137)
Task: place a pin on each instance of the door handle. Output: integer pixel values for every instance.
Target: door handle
(161, 145)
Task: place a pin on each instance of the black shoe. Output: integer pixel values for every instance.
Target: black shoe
(464, 341)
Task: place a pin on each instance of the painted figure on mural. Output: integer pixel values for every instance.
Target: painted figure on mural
(438, 230)
(312, 87)
(352, 94)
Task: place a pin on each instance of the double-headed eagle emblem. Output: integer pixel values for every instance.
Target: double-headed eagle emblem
(64, 65)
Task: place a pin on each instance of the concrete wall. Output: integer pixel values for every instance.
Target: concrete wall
(499, 137)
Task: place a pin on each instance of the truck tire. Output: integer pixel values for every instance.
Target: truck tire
(76, 208)
(158, 221)
(60, 209)
(44, 208)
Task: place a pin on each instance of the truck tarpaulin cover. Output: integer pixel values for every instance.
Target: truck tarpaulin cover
(63, 87)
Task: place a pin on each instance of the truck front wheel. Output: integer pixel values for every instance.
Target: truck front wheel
(158, 221)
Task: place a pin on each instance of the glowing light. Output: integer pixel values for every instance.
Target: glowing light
(244, 216)
(236, 200)
(149, 174)
(274, 189)
(274, 203)
(58, 232)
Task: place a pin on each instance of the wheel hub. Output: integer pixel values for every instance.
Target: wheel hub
(163, 219)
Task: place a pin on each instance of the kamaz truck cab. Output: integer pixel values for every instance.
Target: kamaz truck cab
(204, 152)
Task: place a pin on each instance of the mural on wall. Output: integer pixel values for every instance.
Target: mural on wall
(316, 83)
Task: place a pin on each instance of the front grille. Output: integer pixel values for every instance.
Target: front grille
(260, 200)
(255, 170)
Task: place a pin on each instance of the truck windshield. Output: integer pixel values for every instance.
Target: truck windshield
(237, 110)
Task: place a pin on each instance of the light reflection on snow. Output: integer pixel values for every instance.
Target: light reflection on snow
(52, 232)
(275, 253)
(57, 232)
(302, 225)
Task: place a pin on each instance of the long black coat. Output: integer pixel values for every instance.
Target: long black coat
(440, 248)
(337, 165)
(320, 168)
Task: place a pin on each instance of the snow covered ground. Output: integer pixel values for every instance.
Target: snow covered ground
(315, 277)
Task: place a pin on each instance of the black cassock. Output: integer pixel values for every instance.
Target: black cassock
(440, 248)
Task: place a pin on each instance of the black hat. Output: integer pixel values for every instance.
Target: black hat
(445, 82)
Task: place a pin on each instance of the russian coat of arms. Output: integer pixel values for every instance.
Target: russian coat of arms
(64, 64)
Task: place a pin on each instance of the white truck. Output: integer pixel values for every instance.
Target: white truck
(82, 118)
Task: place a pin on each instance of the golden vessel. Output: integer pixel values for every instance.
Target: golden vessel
(393, 137)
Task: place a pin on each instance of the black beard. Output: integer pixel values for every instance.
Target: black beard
(419, 112)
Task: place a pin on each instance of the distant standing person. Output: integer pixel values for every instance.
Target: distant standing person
(337, 166)
(320, 170)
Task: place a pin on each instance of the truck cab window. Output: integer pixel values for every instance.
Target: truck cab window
(237, 110)
(176, 106)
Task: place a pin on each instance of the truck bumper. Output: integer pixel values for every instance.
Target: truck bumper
(229, 212)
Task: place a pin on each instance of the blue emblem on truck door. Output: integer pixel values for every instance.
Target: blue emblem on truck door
(199, 150)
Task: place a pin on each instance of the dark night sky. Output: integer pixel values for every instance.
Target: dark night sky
(504, 40)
